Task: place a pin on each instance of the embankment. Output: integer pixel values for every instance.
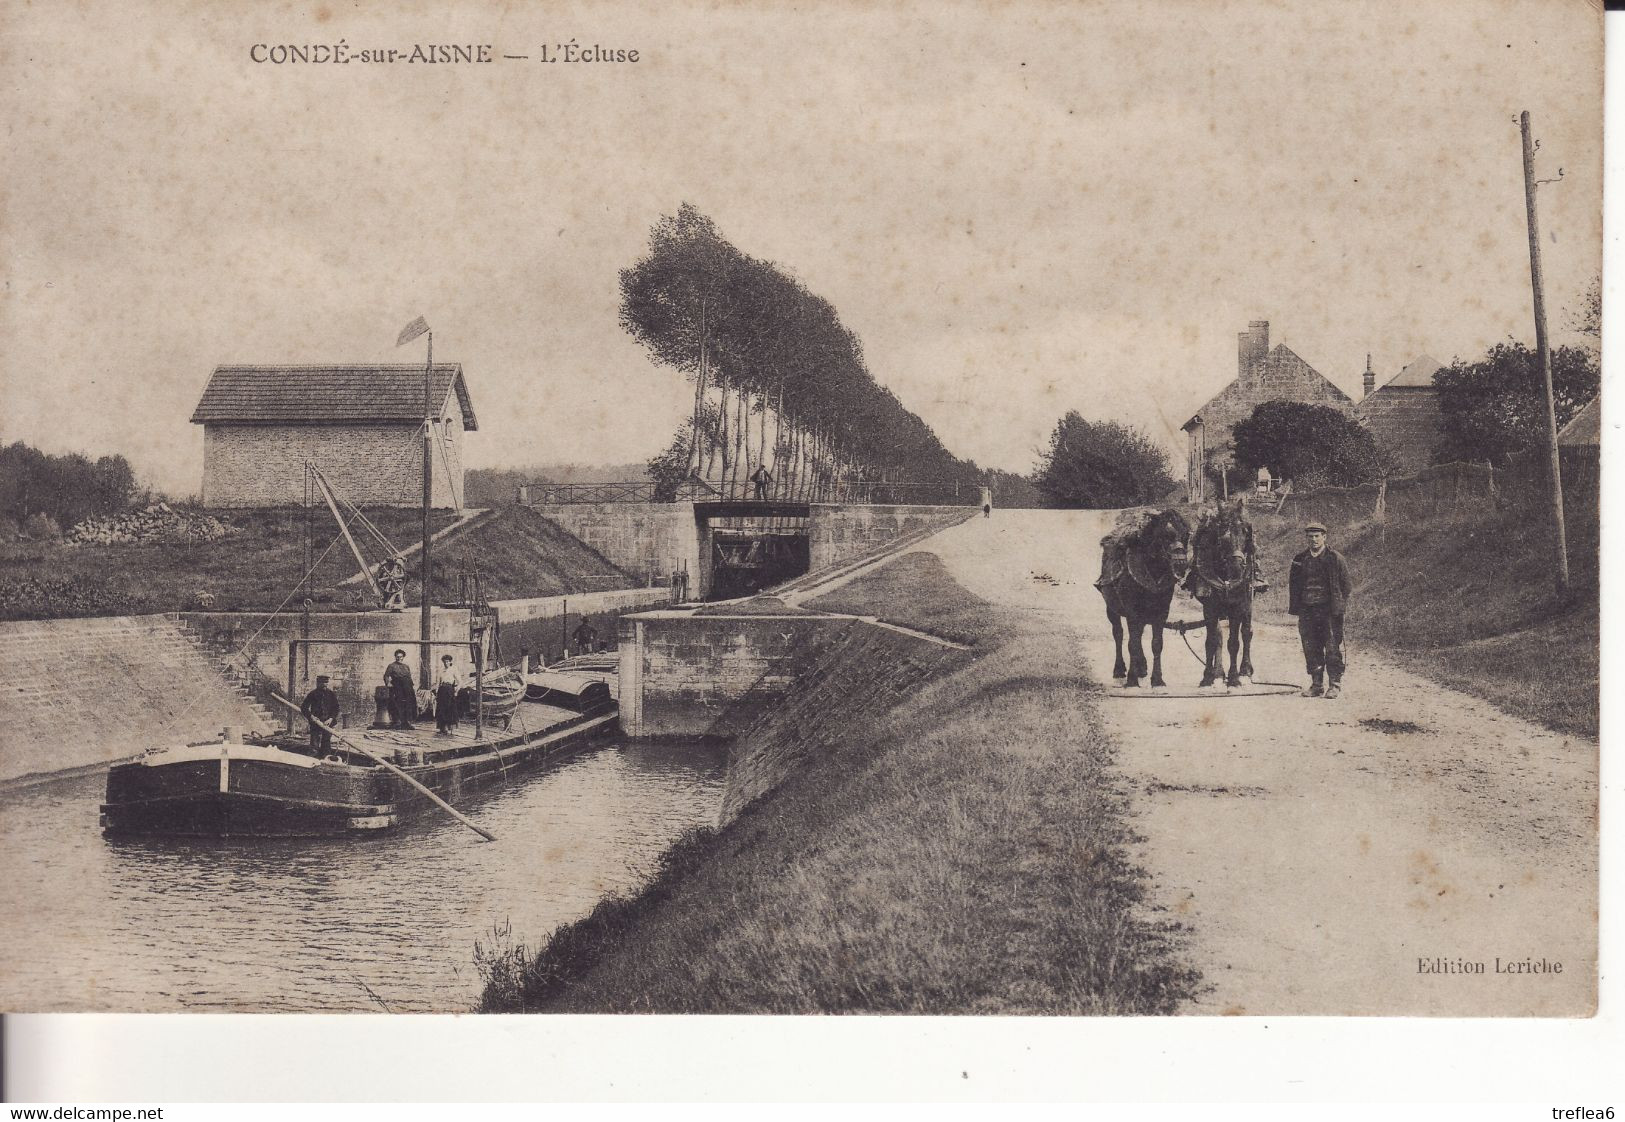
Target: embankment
(1456, 583)
(914, 830)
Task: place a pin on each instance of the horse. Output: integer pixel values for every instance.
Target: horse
(1221, 578)
(1138, 575)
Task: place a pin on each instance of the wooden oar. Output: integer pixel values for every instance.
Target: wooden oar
(434, 798)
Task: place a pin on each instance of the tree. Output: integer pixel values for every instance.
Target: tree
(1587, 319)
(1101, 465)
(1496, 405)
(68, 488)
(1311, 445)
(756, 342)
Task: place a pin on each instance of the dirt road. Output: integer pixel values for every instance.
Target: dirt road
(1366, 855)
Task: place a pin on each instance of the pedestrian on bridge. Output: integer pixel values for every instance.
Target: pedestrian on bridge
(763, 479)
(1318, 591)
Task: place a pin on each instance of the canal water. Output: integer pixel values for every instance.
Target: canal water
(327, 925)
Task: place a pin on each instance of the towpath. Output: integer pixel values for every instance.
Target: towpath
(1322, 858)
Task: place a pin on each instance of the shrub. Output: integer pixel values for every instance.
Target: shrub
(42, 527)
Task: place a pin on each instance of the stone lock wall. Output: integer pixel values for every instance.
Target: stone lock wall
(687, 675)
(370, 465)
(355, 669)
(544, 624)
(840, 533)
(636, 537)
(86, 692)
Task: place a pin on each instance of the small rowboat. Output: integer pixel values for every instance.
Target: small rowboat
(501, 691)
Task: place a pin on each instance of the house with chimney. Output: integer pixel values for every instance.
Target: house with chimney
(1263, 374)
(1403, 415)
(362, 426)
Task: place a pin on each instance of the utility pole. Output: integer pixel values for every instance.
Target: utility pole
(1545, 354)
(425, 625)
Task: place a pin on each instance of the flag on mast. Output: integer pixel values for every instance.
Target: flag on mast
(412, 331)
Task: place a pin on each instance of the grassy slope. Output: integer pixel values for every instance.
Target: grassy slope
(1468, 601)
(963, 855)
(520, 553)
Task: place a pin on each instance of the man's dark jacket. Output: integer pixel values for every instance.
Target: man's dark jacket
(321, 703)
(1339, 585)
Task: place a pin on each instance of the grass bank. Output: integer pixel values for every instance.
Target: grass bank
(518, 552)
(963, 854)
(1467, 599)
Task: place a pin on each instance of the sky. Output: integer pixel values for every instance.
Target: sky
(1020, 208)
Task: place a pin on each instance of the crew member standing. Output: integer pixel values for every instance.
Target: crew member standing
(403, 698)
(322, 704)
(445, 698)
(585, 637)
(1318, 592)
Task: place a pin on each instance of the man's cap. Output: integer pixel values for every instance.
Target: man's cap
(400, 654)
(445, 658)
(1313, 526)
(320, 678)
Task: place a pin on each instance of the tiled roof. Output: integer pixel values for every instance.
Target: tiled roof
(1418, 375)
(328, 395)
(1585, 427)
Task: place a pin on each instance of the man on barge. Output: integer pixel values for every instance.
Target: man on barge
(322, 704)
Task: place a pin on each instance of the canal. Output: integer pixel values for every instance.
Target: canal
(328, 925)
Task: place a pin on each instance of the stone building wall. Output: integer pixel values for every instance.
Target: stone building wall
(1406, 424)
(370, 465)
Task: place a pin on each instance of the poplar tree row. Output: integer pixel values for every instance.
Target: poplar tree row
(778, 380)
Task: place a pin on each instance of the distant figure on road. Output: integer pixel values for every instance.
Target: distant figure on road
(322, 704)
(987, 502)
(1318, 591)
(762, 478)
(403, 698)
(585, 637)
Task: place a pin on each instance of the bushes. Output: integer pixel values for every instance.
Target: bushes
(67, 597)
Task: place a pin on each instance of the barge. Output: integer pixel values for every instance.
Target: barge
(274, 786)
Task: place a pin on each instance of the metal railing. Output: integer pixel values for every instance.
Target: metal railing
(858, 492)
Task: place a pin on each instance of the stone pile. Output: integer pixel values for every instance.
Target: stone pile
(157, 523)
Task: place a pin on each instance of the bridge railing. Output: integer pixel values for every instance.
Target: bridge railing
(855, 492)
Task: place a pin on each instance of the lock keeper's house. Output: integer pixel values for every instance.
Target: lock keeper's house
(362, 426)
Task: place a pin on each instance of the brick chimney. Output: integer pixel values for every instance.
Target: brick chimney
(1370, 379)
(1251, 346)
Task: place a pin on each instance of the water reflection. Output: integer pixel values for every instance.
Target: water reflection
(326, 925)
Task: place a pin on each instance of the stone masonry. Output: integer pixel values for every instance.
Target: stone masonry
(370, 465)
(86, 692)
(1262, 374)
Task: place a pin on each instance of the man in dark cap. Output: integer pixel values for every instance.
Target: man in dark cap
(1318, 592)
(403, 698)
(585, 637)
(322, 704)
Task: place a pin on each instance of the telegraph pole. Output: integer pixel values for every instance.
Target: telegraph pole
(1544, 351)
(425, 618)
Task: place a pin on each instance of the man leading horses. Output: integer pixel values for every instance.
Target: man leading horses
(1318, 592)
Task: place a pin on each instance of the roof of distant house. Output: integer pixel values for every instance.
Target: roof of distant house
(1585, 427)
(1278, 354)
(328, 395)
(1418, 375)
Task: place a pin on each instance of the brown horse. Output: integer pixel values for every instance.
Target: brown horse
(1221, 578)
(1138, 574)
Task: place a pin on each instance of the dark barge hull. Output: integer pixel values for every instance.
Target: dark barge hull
(262, 790)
